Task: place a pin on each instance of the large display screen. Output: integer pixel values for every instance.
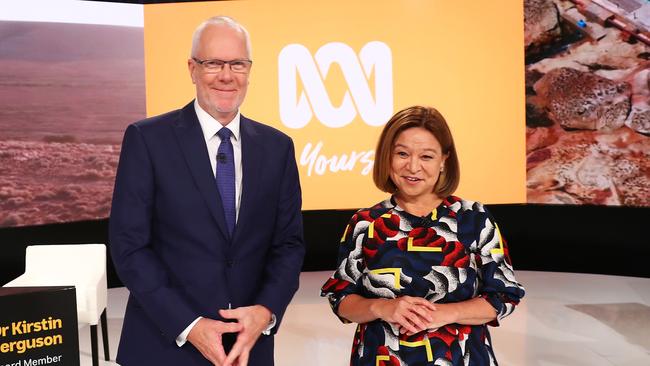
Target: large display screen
(555, 111)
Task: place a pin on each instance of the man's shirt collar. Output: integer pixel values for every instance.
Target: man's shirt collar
(211, 126)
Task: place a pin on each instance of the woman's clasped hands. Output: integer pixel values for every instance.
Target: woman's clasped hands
(413, 314)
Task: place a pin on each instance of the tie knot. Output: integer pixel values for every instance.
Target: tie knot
(224, 134)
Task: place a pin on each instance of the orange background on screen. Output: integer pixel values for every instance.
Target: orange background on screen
(465, 60)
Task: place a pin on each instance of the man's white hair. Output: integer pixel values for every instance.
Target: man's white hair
(220, 20)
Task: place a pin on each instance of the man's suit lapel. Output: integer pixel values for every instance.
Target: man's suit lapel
(252, 158)
(190, 137)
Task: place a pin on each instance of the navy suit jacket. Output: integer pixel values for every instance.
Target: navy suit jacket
(170, 244)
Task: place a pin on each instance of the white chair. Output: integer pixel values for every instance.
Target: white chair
(81, 265)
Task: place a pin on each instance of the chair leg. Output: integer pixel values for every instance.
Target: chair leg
(105, 335)
(93, 344)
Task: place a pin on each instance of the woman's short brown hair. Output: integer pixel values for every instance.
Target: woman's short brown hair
(431, 120)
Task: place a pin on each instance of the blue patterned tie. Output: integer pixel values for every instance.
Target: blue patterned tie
(226, 177)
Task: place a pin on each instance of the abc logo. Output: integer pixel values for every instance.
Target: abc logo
(297, 110)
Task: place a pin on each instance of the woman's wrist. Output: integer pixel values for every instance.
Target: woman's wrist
(376, 307)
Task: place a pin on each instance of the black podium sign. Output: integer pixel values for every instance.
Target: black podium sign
(38, 326)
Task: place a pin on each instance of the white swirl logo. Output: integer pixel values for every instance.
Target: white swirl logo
(374, 57)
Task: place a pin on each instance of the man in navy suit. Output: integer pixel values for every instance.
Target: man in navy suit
(211, 263)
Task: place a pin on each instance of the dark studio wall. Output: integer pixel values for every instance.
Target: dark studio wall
(585, 239)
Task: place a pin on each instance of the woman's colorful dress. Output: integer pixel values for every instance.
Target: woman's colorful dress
(454, 254)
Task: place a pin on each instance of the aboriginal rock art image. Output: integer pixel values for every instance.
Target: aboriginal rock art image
(588, 101)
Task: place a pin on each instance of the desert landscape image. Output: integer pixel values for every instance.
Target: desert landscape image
(588, 101)
(67, 92)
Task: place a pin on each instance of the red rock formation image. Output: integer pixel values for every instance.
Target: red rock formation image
(67, 92)
(587, 103)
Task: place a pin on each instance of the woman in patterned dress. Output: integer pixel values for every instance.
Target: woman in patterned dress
(422, 273)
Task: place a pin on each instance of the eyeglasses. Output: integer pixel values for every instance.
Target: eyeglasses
(213, 66)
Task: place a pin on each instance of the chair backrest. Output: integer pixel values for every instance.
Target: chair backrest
(80, 265)
(66, 262)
